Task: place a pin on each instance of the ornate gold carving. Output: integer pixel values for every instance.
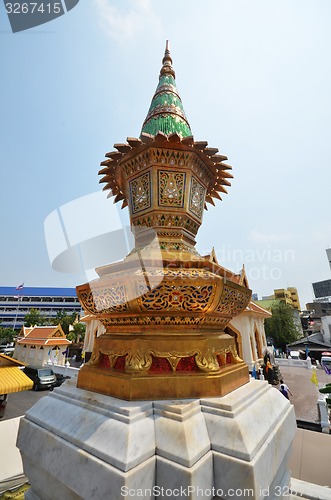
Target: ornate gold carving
(166, 220)
(178, 273)
(173, 357)
(233, 300)
(136, 164)
(197, 198)
(154, 320)
(171, 188)
(139, 359)
(105, 300)
(207, 362)
(140, 193)
(175, 297)
(136, 361)
(189, 159)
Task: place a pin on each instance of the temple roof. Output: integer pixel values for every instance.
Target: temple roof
(166, 113)
(43, 335)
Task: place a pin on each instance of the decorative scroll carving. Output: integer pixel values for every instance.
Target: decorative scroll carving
(171, 188)
(105, 300)
(197, 198)
(140, 360)
(233, 301)
(175, 298)
(140, 193)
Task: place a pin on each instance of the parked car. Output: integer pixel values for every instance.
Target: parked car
(43, 377)
(60, 379)
(3, 403)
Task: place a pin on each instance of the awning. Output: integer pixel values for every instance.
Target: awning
(12, 379)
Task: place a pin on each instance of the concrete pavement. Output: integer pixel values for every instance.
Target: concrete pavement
(305, 393)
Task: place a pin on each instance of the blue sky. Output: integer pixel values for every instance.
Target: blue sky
(254, 78)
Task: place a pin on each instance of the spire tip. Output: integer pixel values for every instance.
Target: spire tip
(167, 62)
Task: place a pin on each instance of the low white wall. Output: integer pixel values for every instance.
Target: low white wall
(324, 413)
(304, 363)
(10, 458)
(67, 371)
(311, 457)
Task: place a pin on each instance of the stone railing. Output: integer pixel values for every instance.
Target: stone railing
(303, 363)
(67, 371)
(324, 413)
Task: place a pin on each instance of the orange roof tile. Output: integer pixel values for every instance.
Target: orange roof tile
(44, 332)
(46, 342)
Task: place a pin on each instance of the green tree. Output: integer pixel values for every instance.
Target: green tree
(281, 326)
(34, 317)
(77, 333)
(80, 329)
(65, 320)
(7, 335)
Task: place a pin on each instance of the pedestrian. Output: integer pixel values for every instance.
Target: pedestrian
(284, 389)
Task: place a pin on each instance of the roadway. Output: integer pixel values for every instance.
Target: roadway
(19, 402)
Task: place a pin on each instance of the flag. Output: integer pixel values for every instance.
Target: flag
(326, 369)
(49, 353)
(57, 352)
(83, 355)
(20, 287)
(307, 351)
(65, 352)
(313, 378)
(254, 375)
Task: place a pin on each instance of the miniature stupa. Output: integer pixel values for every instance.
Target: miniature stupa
(164, 306)
(165, 405)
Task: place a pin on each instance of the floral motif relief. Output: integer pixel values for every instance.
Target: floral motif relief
(197, 197)
(176, 298)
(105, 300)
(233, 301)
(171, 188)
(140, 193)
(157, 361)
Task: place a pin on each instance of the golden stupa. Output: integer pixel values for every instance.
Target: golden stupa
(164, 306)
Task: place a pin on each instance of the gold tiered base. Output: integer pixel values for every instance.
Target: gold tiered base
(142, 367)
(165, 330)
(169, 386)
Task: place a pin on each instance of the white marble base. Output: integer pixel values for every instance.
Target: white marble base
(79, 444)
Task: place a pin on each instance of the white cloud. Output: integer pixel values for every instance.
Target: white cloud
(126, 23)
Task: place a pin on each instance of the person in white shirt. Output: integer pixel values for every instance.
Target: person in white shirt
(284, 389)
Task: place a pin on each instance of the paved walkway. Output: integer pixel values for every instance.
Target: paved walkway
(305, 393)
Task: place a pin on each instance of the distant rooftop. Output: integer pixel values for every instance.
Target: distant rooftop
(30, 291)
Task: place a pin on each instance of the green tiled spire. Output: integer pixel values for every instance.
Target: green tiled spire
(166, 113)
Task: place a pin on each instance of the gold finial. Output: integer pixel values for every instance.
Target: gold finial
(167, 62)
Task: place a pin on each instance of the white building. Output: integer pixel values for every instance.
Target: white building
(39, 345)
